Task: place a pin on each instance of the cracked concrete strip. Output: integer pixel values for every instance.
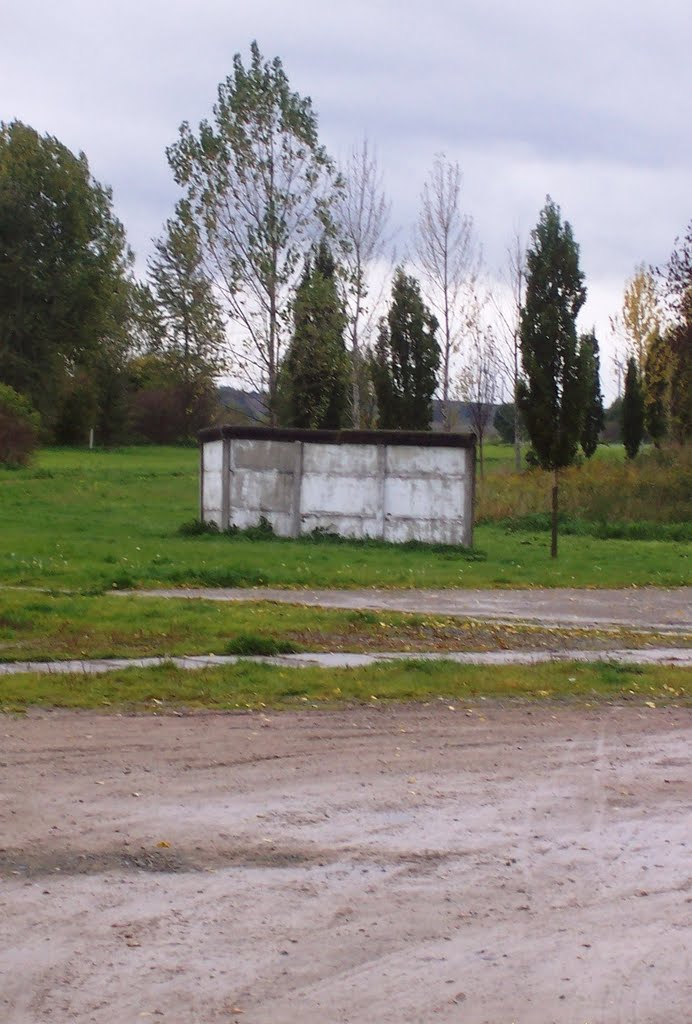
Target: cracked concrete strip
(672, 657)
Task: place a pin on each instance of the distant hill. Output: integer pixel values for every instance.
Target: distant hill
(248, 407)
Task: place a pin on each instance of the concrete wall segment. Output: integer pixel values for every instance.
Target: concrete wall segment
(396, 492)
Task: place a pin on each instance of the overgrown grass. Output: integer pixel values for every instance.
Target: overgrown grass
(648, 498)
(46, 627)
(245, 644)
(251, 685)
(604, 529)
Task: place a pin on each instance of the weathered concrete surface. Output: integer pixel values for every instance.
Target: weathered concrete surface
(404, 865)
(646, 607)
(386, 489)
(680, 657)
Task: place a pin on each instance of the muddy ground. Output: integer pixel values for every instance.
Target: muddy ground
(484, 863)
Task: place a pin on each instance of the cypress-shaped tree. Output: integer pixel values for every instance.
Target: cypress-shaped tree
(632, 410)
(315, 375)
(407, 359)
(551, 392)
(594, 420)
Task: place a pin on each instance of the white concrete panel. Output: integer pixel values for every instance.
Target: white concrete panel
(341, 495)
(424, 499)
(212, 490)
(425, 495)
(262, 456)
(345, 526)
(340, 459)
(214, 516)
(429, 531)
(270, 490)
(213, 457)
(405, 460)
(282, 524)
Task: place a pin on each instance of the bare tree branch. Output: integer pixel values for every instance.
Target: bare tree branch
(362, 216)
(449, 259)
(508, 315)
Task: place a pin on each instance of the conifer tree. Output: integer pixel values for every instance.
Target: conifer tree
(407, 358)
(551, 393)
(315, 377)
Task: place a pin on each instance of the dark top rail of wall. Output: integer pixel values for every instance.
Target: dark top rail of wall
(421, 438)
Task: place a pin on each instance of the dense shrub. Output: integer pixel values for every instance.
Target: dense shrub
(77, 412)
(169, 415)
(19, 428)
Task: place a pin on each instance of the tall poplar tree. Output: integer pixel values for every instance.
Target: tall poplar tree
(551, 393)
(407, 358)
(260, 188)
(449, 257)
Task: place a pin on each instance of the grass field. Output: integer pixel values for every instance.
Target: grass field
(91, 522)
(78, 525)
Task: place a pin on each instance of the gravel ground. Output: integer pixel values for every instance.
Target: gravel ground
(478, 863)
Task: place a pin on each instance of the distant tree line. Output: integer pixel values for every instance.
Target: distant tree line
(277, 267)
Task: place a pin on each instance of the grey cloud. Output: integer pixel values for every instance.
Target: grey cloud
(586, 100)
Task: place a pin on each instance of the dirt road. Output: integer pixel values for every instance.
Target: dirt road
(371, 866)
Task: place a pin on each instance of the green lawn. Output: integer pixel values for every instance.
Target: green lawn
(91, 522)
(78, 525)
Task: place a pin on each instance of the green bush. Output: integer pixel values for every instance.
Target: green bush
(252, 644)
(19, 428)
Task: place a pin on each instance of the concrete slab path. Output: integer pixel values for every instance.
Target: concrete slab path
(680, 657)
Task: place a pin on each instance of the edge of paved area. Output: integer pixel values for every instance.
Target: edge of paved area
(671, 657)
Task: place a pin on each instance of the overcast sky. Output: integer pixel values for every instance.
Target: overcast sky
(587, 100)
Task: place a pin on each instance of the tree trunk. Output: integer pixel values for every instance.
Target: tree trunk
(553, 537)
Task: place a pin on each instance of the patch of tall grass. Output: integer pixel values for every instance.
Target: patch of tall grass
(647, 498)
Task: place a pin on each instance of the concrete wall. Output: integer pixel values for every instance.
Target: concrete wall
(393, 486)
